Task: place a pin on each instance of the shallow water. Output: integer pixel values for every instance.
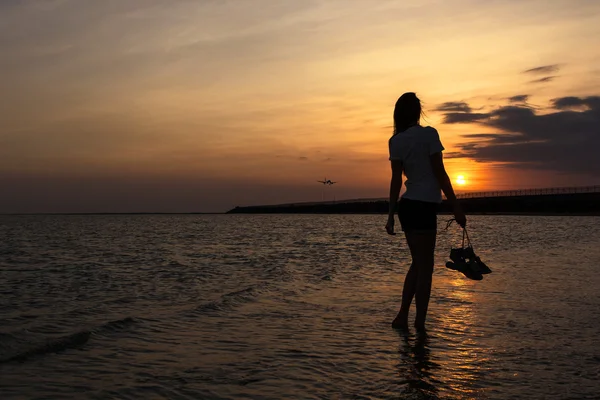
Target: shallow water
(291, 306)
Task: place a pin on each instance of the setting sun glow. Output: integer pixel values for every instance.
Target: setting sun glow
(165, 106)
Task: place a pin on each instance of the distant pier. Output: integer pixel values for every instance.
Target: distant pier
(548, 201)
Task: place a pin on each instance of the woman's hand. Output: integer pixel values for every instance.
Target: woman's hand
(460, 216)
(389, 227)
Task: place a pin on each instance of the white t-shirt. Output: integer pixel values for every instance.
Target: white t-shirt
(413, 147)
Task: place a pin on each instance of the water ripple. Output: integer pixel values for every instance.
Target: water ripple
(272, 307)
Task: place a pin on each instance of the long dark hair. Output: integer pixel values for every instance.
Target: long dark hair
(407, 112)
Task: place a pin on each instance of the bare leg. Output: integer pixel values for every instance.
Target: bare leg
(408, 292)
(422, 246)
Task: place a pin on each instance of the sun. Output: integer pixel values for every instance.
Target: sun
(460, 180)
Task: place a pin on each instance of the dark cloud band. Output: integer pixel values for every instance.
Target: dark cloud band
(566, 139)
(456, 106)
(520, 98)
(544, 79)
(543, 70)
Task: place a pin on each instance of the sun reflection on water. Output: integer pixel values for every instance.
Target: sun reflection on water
(459, 358)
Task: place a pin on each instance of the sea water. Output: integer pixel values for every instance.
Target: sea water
(292, 307)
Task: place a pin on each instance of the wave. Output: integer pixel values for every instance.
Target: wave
(231, 300)
(63, 343)
(113, 326)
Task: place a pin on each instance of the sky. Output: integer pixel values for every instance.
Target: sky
(203, 105)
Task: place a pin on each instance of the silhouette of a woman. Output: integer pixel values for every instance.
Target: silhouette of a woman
(416, 151)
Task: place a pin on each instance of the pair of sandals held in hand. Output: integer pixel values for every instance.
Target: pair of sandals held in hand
(464, 259)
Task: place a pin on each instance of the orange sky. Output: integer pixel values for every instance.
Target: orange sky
(148, 105)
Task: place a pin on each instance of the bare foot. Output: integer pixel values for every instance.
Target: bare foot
(400, 323)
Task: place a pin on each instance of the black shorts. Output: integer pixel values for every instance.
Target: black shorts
(417, 215)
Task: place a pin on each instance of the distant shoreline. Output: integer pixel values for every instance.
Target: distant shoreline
(539, 214)
(587, 204)
(118, 213)
(573, 204)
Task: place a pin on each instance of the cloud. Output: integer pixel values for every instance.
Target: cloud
(564, 103)
(520, 98)
(463, 117)
(543, 70)
(565, 140)
(456, 106)
(303, 158)
(544, 79)
(496, 137)
(464, 147)
(453, 154)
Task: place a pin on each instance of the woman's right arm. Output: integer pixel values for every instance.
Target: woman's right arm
(395, 186)
(437, 165)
